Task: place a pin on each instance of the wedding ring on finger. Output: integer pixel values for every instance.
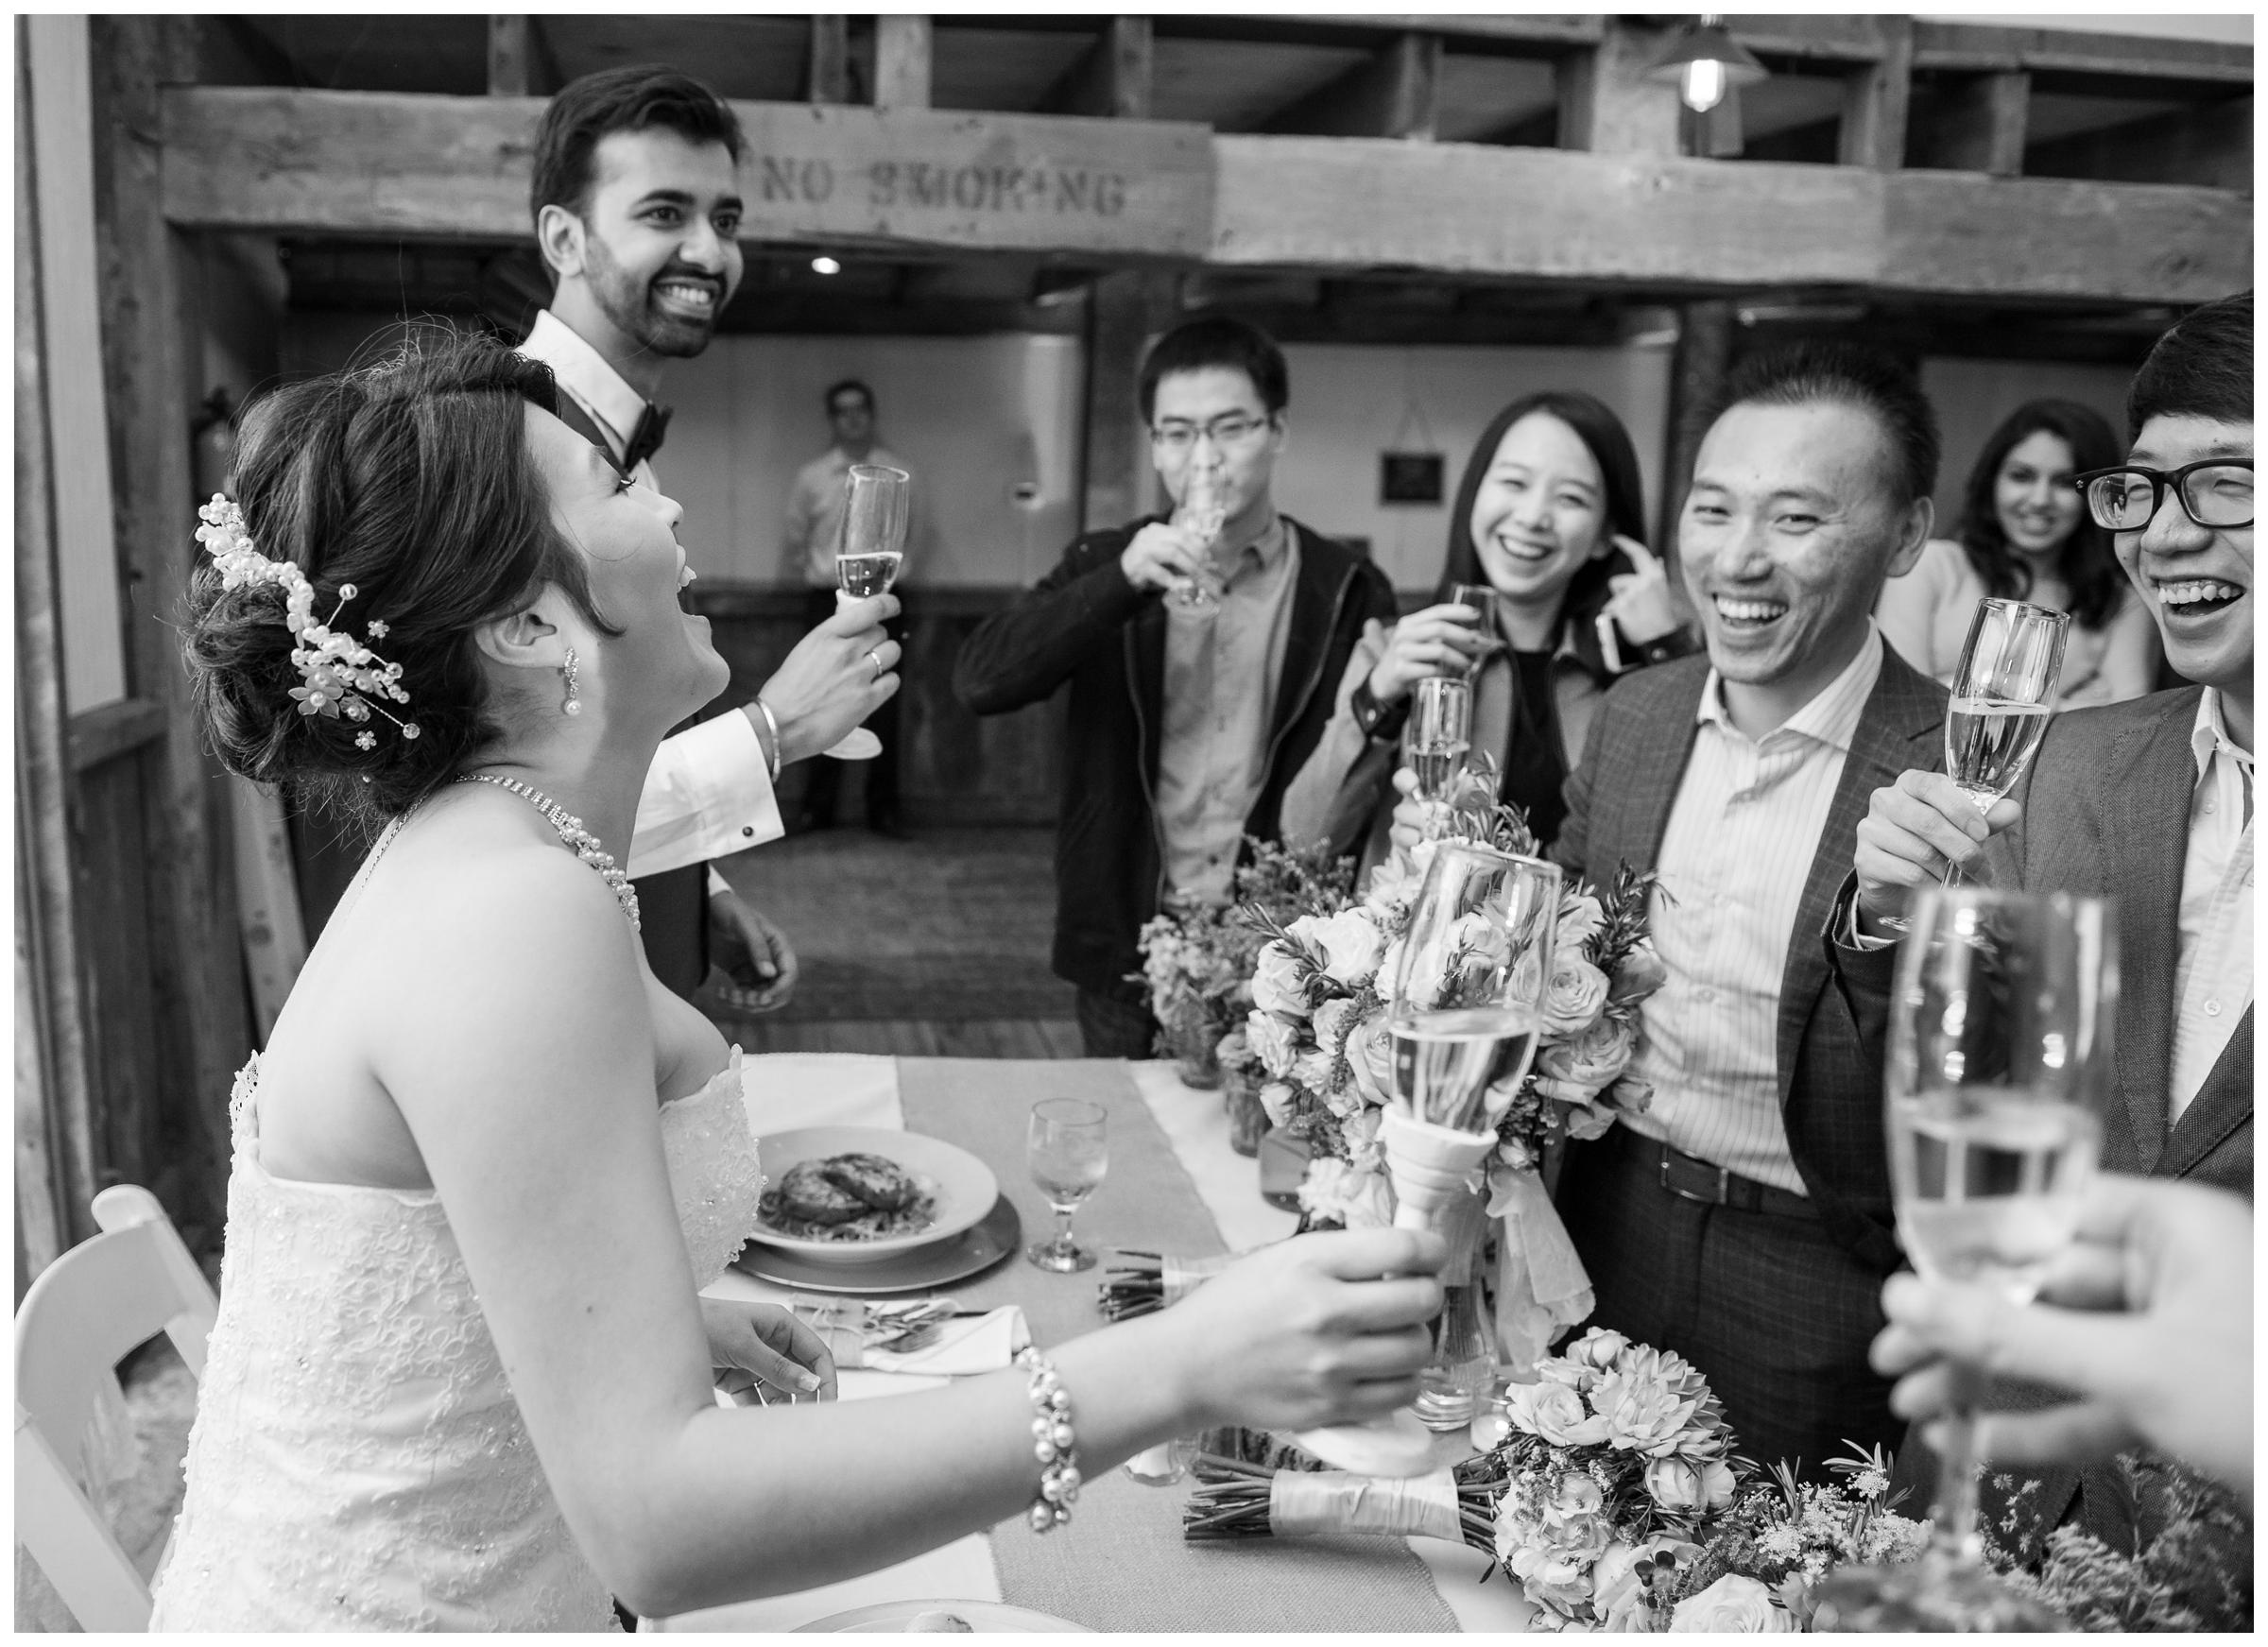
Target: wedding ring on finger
(874, 658)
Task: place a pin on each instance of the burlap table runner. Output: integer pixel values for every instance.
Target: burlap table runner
(1122, 1564)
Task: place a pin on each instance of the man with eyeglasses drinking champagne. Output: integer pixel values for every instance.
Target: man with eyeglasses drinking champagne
(1200, 646)
(2148, 801)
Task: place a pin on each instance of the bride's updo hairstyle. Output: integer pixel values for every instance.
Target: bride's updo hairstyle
(412, 481)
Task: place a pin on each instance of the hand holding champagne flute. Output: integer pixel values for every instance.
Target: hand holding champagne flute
(868, 559)
(1201, 513)
(2010, 667)
(1438, 735)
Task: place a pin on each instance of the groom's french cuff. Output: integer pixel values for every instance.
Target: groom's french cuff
(1863, 959)
(708, 794)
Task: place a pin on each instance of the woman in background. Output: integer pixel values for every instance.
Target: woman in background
(1548, 515)
(2025, 535)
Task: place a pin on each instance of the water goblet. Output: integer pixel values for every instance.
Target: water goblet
(1068, 1151)
(1999, 1053)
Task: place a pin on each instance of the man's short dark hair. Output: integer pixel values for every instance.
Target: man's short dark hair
(848, 386)
(1218, 341)
(634, 98)
(1851, 375)
(2200, 368)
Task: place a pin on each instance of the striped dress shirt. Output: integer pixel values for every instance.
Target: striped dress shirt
(2213, 983)
(1740, 842)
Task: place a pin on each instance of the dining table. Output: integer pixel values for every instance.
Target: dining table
(1174, 1185)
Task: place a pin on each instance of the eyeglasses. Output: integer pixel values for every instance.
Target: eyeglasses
(2216, 491)
(1229, 429)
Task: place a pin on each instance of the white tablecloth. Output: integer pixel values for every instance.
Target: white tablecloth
(795, 1089)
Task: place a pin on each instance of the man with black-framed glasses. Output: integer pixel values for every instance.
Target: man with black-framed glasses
(1201, 647)
(2149, 802)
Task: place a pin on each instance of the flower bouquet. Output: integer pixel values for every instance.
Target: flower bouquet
(1316, 1028)
(1197, 959)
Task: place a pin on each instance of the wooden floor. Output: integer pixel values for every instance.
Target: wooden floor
(931, 946)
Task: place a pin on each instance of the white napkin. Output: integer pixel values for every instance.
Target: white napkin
(976, 1345)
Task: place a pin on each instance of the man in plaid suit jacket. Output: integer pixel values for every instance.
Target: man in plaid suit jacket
(1744, 1221)
(2148, 802)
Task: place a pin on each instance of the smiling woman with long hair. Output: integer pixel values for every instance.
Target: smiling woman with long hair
(1547, 517)
(2025, 535)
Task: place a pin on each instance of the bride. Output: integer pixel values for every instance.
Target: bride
(461, 1377)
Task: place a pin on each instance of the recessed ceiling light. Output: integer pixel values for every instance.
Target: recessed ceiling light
(825, 265)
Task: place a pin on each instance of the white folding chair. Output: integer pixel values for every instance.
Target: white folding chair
(84, 1311)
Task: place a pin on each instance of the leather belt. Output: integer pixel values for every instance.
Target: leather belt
(1691, 1178)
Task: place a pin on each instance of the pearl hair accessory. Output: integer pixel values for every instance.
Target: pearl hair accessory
(339, 674)
(1054, 1443)
(573, 705)
(570, 828)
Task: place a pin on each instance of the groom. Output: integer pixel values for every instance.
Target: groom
(636, 208)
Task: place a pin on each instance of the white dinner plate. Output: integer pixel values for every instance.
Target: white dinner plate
(893, 1617)
(966, 1188)
(970, 1253)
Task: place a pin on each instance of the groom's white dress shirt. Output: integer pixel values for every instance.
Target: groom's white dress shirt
(709, 792)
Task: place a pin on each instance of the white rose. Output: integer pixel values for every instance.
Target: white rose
(1277, 982)
(1572, 994)
(1312, 1069)
(1579, 920)
(1732, 1604)
(1276, 1099)
(1276, 1042)
(1351, 943)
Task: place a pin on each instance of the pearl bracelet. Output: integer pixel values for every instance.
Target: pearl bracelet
(1052, 1442)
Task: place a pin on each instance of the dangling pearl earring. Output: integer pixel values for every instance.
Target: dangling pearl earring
(574, 704)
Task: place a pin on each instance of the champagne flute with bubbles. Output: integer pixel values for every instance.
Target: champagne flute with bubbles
(1438, 733)
(868, 557)
(1999, 1062)
(1202, 513)
(2010, 666)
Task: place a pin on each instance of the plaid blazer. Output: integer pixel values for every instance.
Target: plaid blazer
(1831, 1082)
(2106, 811)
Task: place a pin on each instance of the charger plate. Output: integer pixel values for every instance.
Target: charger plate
(972, 1252)
(981, 1616)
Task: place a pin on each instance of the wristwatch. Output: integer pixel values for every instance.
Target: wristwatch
(1381, 721)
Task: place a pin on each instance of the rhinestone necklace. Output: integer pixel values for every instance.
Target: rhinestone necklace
(570, 830)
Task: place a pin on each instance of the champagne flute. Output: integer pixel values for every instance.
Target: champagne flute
(1202, 513)
(1438, 736)
(1479, 599)
(1462, 1023)
(868, 557)
(1067, 1152)
(2000, 1023)
(2010, 665)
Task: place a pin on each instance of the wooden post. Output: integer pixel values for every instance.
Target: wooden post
(901, 61)
(1697, 370)
(828, 79)
(1397, 93)
(1977, 124)
(1875, 100)
(54, 1080)
(510, 49)
(1122, 309)
(1607, 106)
(151, 336)
(1112, 78)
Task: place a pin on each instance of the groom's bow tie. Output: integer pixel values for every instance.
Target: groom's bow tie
(652, 425)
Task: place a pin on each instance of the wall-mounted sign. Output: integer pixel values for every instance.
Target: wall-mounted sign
(1409, 478)
(987, 181)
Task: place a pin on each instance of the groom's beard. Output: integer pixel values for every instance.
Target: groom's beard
(638, 314)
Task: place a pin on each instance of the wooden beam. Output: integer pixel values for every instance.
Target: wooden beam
(152, 335)
(827, 78)
(1397, 93)
(1976, 124)
(1539, 28)
(1112, 78)
(902, 61)
(2211, 146)
(101, 735)
(1698, 366)
(317, 163)
(1608, 106)
(1876, 98)
(1984, 48)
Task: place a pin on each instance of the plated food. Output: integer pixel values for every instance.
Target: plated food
(855, 1196)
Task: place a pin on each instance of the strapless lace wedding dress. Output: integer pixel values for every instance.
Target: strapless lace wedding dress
(358, 1462)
